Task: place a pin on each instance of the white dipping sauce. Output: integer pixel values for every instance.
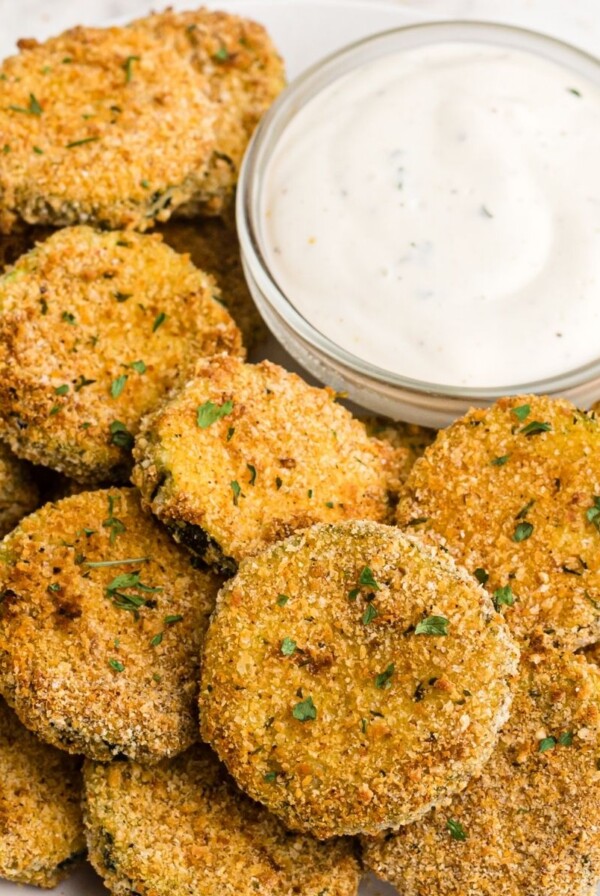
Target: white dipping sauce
(437, 213)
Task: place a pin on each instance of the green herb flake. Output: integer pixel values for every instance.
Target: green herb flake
(433, 625)
(500, 461)
(305, 711)
(574, 91)
(282, 600)
(159, 321)
(122, 296)
(62, 390)
(503, 597)
(456, 830)
(145, 184)
(33, 108)
(82, 382)
(128, 66)
(111, 522)
(54, 410)
(278, 482)
(367, 578)
(222, 55)
(252, 473)
(81, 142)
(175, 617)
(270, 777)
(156, 640)
(522, 532)
(138, 366)
(235, 488)
(117, 385)
(383, 680)
(370, 614)
(230, 433)
(353, 594)
(120, 435)
(53, 588)
(329, 504)
(566, 739)
(481, 575)
(547, 743)
(288, 646)
(534, 428)
(116, 665)
(68, 318)
(6, 149)
(522, 412)
(592, 514)
(38, 151)
(522, 514)
(209, 412)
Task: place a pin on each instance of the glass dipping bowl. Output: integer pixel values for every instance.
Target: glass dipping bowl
(379, 390)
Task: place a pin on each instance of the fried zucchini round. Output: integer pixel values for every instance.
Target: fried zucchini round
(353, 678)
(19, 493)
(514, 493)
(213, 246)
(529, 825)
(246, 454)
(41, 829)
(101, 622)
(183, 827)
(244, 74)
(95, 328)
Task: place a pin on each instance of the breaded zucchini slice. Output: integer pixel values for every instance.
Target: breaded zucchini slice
(19, 493)
(530, 824)
(213, 247)
(41, 828)
(183, 827)
(95, 328)
(353, 678)
(513, 492)
(245, 73)
(102, 618)
(245, 454)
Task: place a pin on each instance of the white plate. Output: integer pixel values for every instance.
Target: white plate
(304, 31)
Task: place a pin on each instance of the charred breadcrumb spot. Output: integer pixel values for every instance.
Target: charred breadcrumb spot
(469, 505)
(224, 842)
(102, 375)
(527, 826)
(72, 590)
(302, 713)
(296, 458)
(186, 161)
(42, 835)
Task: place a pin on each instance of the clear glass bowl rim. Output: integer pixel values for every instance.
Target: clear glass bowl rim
(301, 90)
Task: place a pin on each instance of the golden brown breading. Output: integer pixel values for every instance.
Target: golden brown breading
(213, 247)
(514, 492)
(101, 622)
(95, 328)
(407, 437)
(19, 493)
(41, 829)
(353, 678)
(245, 454)
(244, 73)
(183, 827)
(530, 825)
(121, 127)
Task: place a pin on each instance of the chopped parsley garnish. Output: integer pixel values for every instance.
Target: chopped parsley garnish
(82, 382)
(522, 532)
(230, 433)
(38, 151)
(383, 680)
(128, 66)
(288, 646)
(522, 514)
(33, 108)
(481, 575)
(503, 596)
(116, 665)
(593, 513)
(278, 482)
(270, 777)
(252, 473)
(138, 366)
(235, 488)
(100, 564)
(457, 831)
(209, 412)
(171, 620)
(62, 390)
(282, 600)
(122, 296)
(305, 711)
(433, 625)
(120, 435)
(566, 739)
(68, 318)
(130, 602)
(500, 461)
(117, 385)
(82, 142)
(54, 410)
(222, 54)
(111, 522)
(367, 578)
(535, 427)
(574, 91)
(54, 587)
(329, 504)
(547, 743)
(156, 640)
(370, 614)
(522, 412)
(159, 321)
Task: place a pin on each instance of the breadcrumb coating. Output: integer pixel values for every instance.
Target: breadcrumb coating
(514, 493)
(408, 438)
(530, 824)
(19, 494)
(246, 454)
(95, 328)
(213, 246)
(101, 622)
(353, 678)
(183, 827)
(41, 828)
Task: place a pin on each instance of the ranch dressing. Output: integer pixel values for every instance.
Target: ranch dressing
(436, 212)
